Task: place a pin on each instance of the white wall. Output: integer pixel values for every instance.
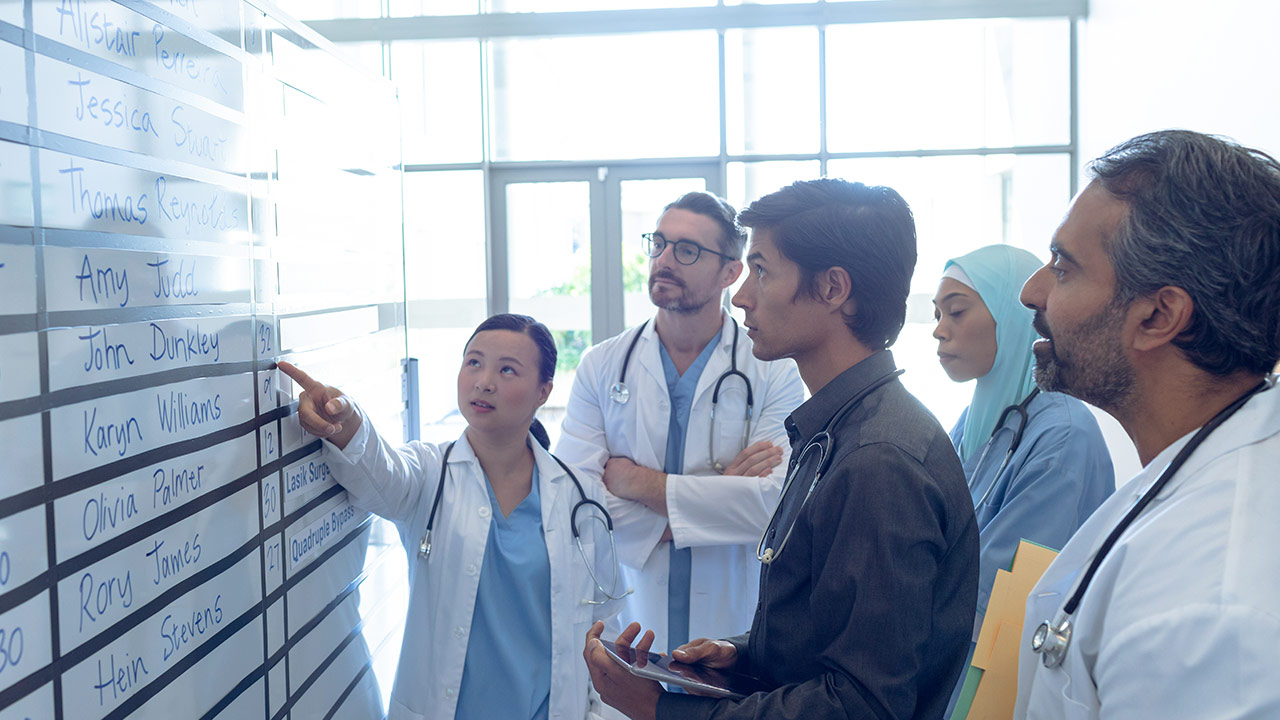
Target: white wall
(1207, 66)
(1153, 64)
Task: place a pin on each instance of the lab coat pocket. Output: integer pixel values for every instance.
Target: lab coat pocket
(621, 429)
(400, 712)
(728, 439)
(1054, 687)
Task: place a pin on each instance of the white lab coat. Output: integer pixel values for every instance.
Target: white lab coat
(1182, 619)
(400, 484)
(721, 517)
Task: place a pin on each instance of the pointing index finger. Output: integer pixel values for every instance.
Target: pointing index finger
(298, 376)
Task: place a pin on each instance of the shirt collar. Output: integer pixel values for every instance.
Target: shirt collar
(724, 339)
(808, 419)
(547, 466)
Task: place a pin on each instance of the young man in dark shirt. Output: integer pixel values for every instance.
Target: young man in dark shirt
(870, 573)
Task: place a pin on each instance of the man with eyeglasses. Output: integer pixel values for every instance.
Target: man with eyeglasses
(870, 565)
(690, 451)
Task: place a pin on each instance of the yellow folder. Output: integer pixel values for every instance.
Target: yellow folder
(991, 687)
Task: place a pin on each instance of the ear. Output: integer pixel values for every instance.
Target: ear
(835, 290)
(1162, 317)
(545, 392)
(729, 273)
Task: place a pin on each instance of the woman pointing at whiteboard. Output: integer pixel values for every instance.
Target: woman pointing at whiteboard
(510, 557)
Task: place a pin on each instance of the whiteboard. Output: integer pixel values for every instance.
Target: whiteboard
(184, 187)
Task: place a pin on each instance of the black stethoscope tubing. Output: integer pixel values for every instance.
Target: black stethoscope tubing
(1052, 638)
(620, 394)
(824, 443)
(1023, 419)
(715, 393)
(424, 548)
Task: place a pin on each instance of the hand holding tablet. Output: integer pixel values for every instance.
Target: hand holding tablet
(698, 679)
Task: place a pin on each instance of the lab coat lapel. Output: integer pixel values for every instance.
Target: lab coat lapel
(653, 409)
(552, 482)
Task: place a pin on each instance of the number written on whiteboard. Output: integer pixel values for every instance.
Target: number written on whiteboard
(270, 499)
(264, 339)
(10, 648)
(273, 555)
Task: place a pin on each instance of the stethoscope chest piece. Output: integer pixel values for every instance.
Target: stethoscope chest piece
(619, 393)
(1051, 641)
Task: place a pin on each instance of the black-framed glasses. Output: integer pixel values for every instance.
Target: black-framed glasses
(687, 252)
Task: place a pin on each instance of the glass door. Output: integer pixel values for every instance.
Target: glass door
(565, 248)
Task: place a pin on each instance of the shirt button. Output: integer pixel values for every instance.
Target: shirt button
(484, 512)
(472, 569)
(459, 632)
(449, 693)
(662, 581)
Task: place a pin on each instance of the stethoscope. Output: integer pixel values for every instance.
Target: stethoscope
(1052, 638)
(620, 393)
(1023, 417)
(424, 547)
(823, 444)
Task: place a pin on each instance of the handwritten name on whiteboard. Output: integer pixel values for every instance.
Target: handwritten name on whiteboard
(104, 593)
(126, 665)
(132, 40)
(94, 278)
(94, 195)
(94, 353)
(93, 433)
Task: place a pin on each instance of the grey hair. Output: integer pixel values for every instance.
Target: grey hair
(732, 237)
(1203, 215)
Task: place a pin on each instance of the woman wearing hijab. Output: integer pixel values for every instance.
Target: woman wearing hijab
(1036, 462)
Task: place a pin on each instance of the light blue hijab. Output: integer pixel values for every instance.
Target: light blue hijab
(998, 273)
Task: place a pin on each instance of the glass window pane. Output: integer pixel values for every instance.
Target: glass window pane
(443, 218)
(772, 90)
(767, 2)
(947, 84)
(499, 6)
(642, 203)
(748, 181)
(629, 96)
(549, 274)
(439, 86)
(365, 54)
(961, 203)
(403, 8)
(329, 9)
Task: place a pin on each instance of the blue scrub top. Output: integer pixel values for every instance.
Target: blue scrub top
(1060, 473)
(680, 390)
(511, 625)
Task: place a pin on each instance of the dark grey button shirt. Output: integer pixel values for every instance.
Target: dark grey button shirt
(867, 611)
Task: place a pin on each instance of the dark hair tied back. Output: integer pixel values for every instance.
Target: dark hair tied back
(547, 355)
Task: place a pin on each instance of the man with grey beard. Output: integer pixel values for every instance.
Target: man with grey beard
(685, 428)
(1161, 305)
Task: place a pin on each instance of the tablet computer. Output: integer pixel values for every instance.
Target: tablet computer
(700, 679)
